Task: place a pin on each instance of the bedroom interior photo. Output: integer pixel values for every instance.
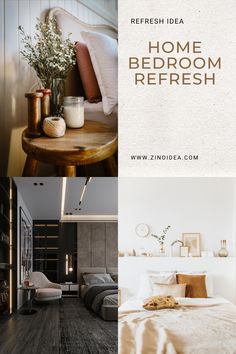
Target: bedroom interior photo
(59, 84)
(177, 268)
(58, 265)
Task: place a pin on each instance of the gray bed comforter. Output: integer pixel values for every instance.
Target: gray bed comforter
(95, 294)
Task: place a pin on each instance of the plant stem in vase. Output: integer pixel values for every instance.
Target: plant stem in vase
(161, 239)
(58, 91)
(162, 250)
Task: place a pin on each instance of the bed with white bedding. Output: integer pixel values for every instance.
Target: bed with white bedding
(195, 326)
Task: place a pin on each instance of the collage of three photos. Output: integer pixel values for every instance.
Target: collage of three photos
(96, 258)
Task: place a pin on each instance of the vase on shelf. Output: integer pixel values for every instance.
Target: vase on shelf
(58, 92)
(161, 250)
(223, 251)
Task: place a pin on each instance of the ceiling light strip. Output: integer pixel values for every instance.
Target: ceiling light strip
(88, 179)
(63, 196)
(98, 218)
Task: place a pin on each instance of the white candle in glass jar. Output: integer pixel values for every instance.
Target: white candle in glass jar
(73, 111)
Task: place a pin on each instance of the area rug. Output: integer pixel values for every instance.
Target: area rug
(82, 331)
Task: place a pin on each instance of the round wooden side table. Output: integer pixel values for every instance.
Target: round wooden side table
(94, 142)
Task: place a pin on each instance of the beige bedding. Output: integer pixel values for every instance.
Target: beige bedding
(195, 327)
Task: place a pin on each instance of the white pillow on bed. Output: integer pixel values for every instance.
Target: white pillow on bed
(175, 290)
(92, 279)
(163, 278)
(149, 278)
(103, 51)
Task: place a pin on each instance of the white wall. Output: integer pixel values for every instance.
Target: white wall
(204, 205)
(20, 204)
(16, 77)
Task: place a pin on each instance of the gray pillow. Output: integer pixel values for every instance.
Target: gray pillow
(91, 279)
(114, 277)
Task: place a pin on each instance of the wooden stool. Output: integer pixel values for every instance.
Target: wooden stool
(92, 143)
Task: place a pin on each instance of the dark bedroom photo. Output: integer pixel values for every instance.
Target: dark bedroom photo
(58, 265)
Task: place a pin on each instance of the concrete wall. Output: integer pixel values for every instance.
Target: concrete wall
(97, 244)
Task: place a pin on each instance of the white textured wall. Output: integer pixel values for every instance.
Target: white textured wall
(16, 77)
(202, 205)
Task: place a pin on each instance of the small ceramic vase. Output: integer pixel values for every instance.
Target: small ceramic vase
(223, 251)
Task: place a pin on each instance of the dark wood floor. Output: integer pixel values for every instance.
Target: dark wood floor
(67, 328)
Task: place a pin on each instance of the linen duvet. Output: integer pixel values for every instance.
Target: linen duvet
(195, 326)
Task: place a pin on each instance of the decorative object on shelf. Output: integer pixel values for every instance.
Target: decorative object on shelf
(73, 111)
(58, 92)
(126, 254)
(45, 103)
(121, 254)
(142, 230)
(4, 295)
(223, 251)
(175, 248)
(161, 240)
(183, 251)
(4, 238)
(34, 114)
(141, 252)
(26, 282)
(207, 254)
(26, 246)
(134, 253)
(192, 241)
(47, 53)
(54, 127)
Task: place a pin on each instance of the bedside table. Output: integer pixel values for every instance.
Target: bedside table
(70, 290)
(31, 290)
(92, 143)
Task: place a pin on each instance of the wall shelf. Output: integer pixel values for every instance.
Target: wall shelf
(45, 248)
(8, 244)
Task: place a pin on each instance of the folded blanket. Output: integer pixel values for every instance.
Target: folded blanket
(95, 295)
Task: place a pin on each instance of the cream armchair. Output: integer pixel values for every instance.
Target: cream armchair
(46, 290)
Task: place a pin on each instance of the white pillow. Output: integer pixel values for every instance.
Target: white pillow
(103, 51)
(163, 278)
(176, 290)
(145, 285)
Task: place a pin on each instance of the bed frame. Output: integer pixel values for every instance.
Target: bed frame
(108, 312)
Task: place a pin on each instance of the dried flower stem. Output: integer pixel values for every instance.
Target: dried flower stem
(47, 53)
